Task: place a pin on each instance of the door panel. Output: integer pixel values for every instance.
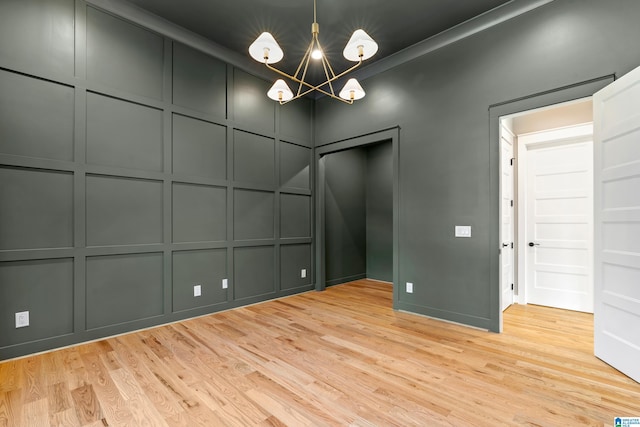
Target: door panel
(617, 224)
(559, 218)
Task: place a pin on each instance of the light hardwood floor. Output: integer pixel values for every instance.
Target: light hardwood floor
(340, 357)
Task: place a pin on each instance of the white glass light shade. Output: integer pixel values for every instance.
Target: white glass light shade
(352, 90)
(280, 91)
(357, 40)
(266, 44)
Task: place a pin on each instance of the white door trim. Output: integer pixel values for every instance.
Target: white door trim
(566, 135)
(507, 134)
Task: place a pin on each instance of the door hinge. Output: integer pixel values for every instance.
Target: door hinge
(512, 286)
(512, 203)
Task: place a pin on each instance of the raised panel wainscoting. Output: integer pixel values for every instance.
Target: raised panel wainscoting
(133, 168)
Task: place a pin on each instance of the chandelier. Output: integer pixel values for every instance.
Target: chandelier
(360, 47)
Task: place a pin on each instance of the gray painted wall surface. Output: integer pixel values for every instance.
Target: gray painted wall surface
(448, 165)
(133, 168)
(64, 78)
(379, 211)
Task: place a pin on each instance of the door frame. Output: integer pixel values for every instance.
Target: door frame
(393, 135)
(535, 101)
(574, 134)
(514, 215)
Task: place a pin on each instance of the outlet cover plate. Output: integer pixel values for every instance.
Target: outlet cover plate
(22, 319)
(225, 283)
(197, 290)
(409, 287)
(303, 273)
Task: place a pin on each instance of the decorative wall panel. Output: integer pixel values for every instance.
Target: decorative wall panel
(36, 117)
(199, 213)
(123, 288)
(36, 209)
(199, 148)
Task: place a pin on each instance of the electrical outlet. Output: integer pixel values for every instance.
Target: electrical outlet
(303, 273)
(197, 290)
(22, 319)
(225, 283)
(409, 287)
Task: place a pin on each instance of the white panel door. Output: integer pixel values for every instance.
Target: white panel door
(559, 218)
(507, 227)
(617, 224)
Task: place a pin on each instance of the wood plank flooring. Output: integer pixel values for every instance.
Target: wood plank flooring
(340, 357)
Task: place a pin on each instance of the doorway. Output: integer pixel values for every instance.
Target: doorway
(335, 191)
(577, 91)
(547, 238)
(616, 206)
(359, 214)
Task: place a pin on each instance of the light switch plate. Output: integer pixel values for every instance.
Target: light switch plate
(463, 231)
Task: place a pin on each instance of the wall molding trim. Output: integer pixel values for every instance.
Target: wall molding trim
(166, 28)
(479, 23)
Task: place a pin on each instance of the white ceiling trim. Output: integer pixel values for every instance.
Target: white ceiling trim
(468, 28)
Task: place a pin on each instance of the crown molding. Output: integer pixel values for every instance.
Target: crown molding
(166, 28)
(463, 30)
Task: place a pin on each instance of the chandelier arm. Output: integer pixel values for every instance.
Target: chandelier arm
(326, 73)
(325, 59)
(309, 85)
(326, 66)
(305, 59)
(311, 89)
(346, 101)
(348, 70)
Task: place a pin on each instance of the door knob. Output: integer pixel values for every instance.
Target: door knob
(533, 244)
(505, 245)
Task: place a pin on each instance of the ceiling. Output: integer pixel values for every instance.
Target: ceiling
(394, 25)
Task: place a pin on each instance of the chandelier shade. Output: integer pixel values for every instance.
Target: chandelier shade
(266, 49)
(280, 91)
(352, 90)
(360, 47)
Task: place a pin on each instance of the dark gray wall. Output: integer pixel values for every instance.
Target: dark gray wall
(133, 168)
(359, 214)
(379, 212)
(345, 216)
(448, 165)
(103, 123)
